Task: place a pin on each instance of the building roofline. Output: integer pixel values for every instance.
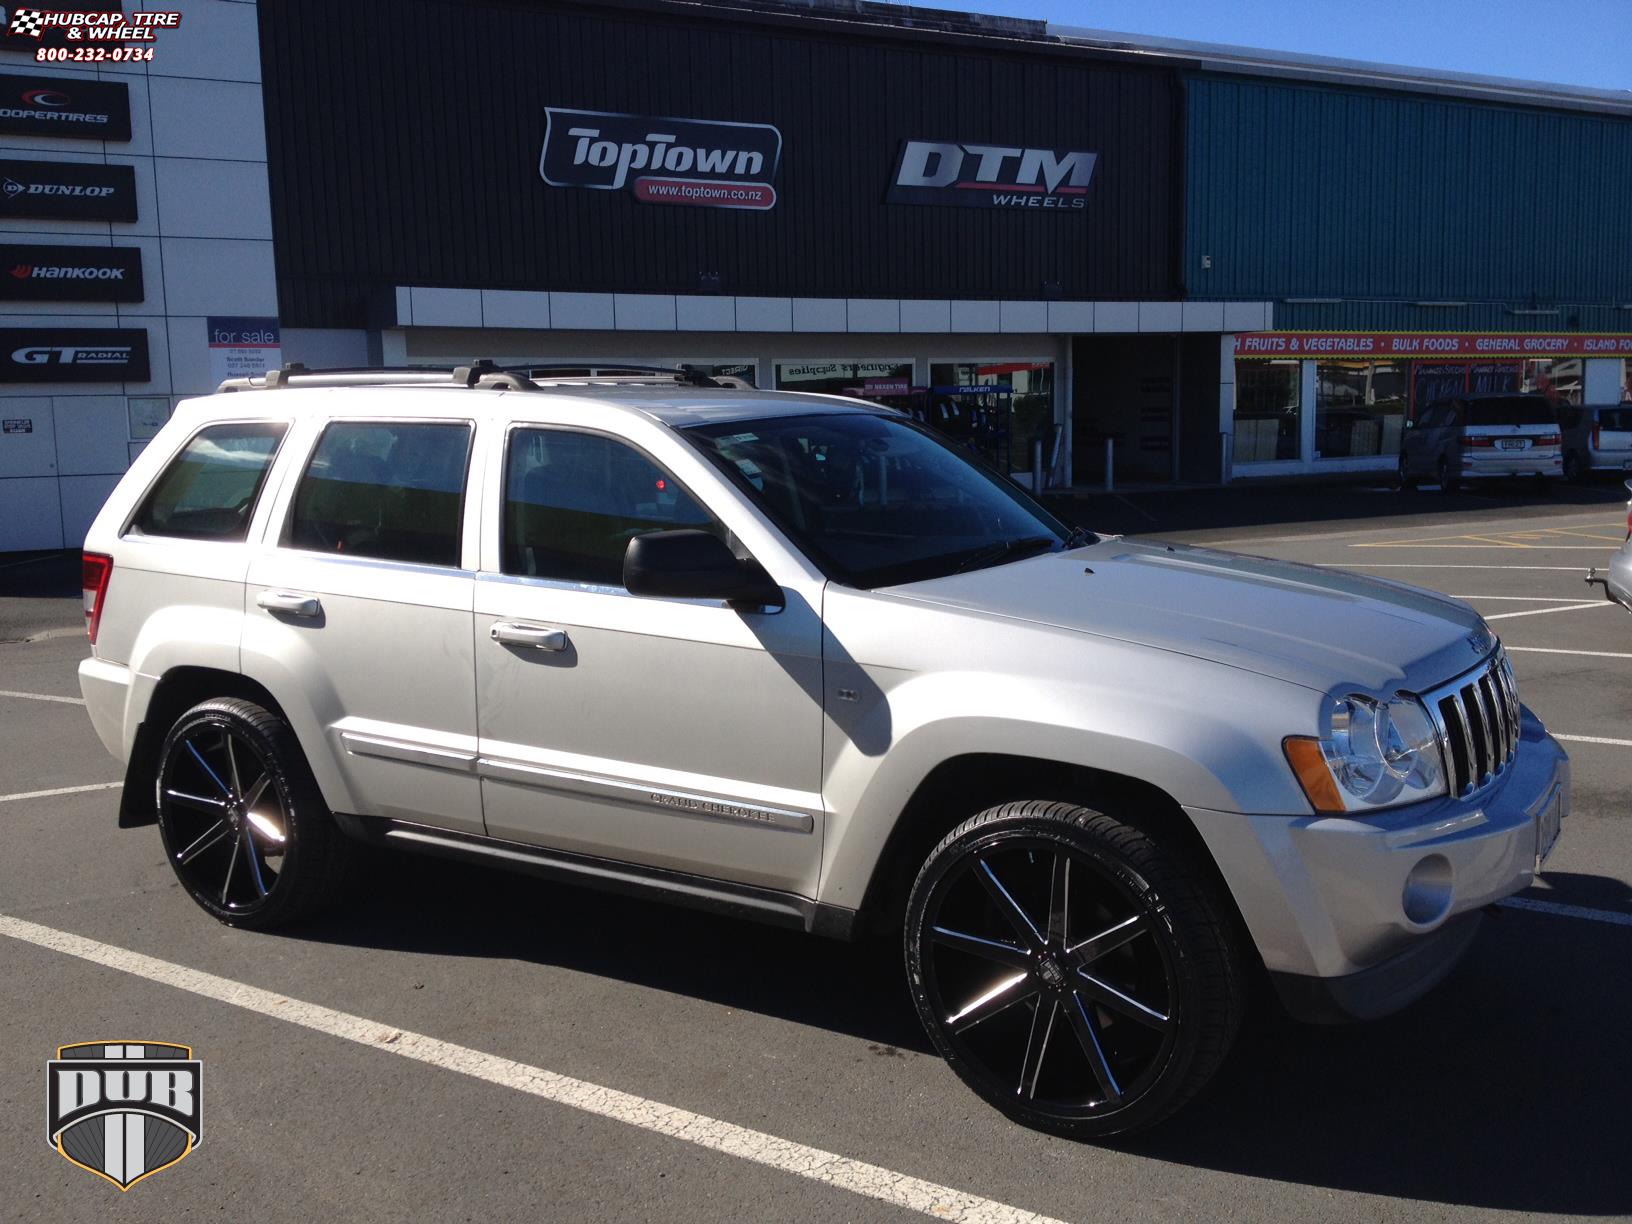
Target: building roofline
(1025, 34)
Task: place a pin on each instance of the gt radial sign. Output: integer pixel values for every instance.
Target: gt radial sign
(991, 176)
(705, 163)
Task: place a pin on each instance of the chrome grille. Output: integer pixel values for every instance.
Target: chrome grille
(1477, 716)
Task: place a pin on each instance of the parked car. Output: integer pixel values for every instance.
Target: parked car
(1597, 438)
(796, 658)
(1617, 580)
(1476, 437)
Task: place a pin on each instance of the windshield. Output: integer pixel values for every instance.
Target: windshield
(876, 500)
(1510, 410)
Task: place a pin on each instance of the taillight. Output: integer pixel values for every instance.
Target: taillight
(1482, 440)
(95, 572)
(1596, 431)
(1553, 439)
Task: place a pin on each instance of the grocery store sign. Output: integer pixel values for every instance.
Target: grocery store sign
(991, 176)
(706, 163)
(1406, 346)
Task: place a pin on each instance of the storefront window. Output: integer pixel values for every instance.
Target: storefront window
(1560, 381)
(1626, 381)
(863, 379)
(1360, 408)
(996, 406)
(748, 371)
(1267, 397)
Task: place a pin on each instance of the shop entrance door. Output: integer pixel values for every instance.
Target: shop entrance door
(1124, 388)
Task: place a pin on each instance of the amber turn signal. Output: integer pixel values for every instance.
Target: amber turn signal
(1309, 764)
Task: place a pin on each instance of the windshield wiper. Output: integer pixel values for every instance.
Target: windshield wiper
(1080, 536)
(1004, 550)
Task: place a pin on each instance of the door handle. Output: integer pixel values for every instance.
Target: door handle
(290, 603)
(514, 633)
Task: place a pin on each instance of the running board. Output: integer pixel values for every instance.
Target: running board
(767, 905)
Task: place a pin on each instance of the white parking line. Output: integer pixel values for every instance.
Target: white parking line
(1596, 654)
(61, 790)
(42, 697)
(830, 1169)
(1523, 598)
(1566, 911)
(1593, 739)
(1575, 607)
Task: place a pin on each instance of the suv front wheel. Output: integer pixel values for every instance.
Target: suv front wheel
(244, 826)
(1073, 974)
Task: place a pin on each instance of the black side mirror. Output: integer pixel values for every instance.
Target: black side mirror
(692, 564)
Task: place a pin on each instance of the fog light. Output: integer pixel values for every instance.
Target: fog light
(1427, 896)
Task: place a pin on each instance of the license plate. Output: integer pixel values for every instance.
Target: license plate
(1512, 443)
(1548, 824)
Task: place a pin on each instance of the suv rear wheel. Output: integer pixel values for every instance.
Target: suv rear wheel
(244, 826)
(1071, 972)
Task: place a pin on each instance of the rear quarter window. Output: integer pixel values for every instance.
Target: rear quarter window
(1617, 419)
(392, 490)
(208, 491)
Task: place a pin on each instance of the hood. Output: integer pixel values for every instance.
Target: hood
(1316, 627)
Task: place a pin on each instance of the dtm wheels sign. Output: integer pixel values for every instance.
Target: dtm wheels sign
(991, 176)
(702, 162)
(73, 354)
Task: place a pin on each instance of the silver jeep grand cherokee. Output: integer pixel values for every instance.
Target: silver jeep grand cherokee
(795, 658)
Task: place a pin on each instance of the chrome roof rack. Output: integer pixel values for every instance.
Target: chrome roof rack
(484, 374)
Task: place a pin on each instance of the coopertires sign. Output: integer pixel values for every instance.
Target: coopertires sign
(700, 162)
(66, 355)
(64, 106)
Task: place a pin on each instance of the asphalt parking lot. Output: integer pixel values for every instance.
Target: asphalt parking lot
(464, 1045)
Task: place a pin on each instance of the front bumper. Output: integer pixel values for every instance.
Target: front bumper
(1370, 904)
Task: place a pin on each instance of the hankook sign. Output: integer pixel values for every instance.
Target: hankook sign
(64, 106)
(991, 176)
(704, 162)
(73, 354)
(68, 191)
(69, 274)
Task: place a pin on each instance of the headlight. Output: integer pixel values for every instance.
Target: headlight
(1380, 753)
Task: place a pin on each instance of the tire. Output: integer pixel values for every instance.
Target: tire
(1407, 482)
(251, 840)
(1572, 467)
(1161, 1007)
(1447, 482)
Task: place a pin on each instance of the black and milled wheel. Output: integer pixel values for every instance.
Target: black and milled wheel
(1072, 972)
(244, 826)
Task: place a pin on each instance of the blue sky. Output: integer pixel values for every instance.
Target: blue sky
(1577, 42)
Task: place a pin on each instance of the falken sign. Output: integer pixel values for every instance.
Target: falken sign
(991, 176)
(706, 163)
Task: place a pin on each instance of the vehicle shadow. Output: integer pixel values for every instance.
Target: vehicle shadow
(1505, 1088)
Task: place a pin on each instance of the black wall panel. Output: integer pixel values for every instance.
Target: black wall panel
(404, 138)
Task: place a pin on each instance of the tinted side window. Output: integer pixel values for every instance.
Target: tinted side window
(208, 492)
(573, 501)
(391, 489)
